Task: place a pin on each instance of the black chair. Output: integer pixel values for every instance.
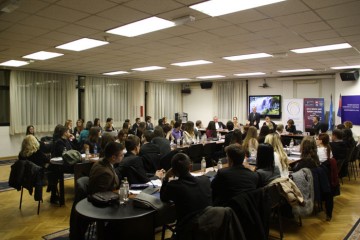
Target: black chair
(353, 156)
(165, 161)
(208, 153)
(276, 201)
(195, 153)
(81, 170)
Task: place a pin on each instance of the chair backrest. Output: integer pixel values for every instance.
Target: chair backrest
(209, 149)
(195, 152)
(165, 161)
(353, 156)
(132, 175)
(151, 162)
(82, 188)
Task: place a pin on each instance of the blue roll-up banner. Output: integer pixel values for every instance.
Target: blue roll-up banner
(350, 109)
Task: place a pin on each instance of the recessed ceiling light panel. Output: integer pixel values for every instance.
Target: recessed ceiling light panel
(322, 48)
(178, 79)
(14, 63)
(150, 68)
(82, 44)
(296, 70)
(249, 74)
(247, 56)
(211, 77)
(43, 55)
(115, 73)
(221, 7)
(347, 67)
(141, 27)
(191, 63)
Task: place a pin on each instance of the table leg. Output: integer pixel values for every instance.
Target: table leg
(61, 189)
(100, 230)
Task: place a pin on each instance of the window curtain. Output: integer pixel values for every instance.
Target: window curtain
(41, 99)
(106, 97)
(230, 100)
(163, 100)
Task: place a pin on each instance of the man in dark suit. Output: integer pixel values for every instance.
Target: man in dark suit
(316, 125)
(218, 124)
(135, 126)
(102, 174)
(254, 118)
(230, 182)
(190, 194)
(149, 125)
(229, 135)
(150, 153)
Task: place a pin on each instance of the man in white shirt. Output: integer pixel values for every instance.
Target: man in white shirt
(218, 124)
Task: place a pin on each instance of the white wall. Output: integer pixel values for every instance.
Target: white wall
(346, 88)
(10, 145)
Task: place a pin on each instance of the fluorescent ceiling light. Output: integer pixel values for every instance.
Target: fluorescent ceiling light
(82, 44)
(42, 55)
(296, 70)
(247, 56)
(178, 79)
(210, 76)
(115, 73)
(322, 48)
(221, 7)
(14, 63)
(150, 68)
(249, 74)
(346, 67)
(147, 25)
(191, 63)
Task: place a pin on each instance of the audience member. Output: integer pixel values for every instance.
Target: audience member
(97, 123)
(229, 134)
(270, 124)
(250, 141)
(78, 128)
(279, 129)
(135, 126)
(290, 127)
(148, 146)
(265, 165)
(264, 130)
(149, 125)
(348, 124)
(280, 156)
(160, 140)
(109, 124)
(68, 124)
(121, 137)
(230, 182)
(309, 157)
(189, 133)
(237, 125)
(323, 147)
(85, 133)
(63, 143)
(167, 131)
(237, 137)
(190, 194)
(316, 124)
(30, 150)
(105, 139)
(30, 130)
(211, 130)
(102, 175)
(141, 129)
(254, 118)
(176, 131)
(93, 142)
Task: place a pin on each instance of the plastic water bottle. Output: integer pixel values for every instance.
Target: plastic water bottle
(219, 165)
(203, 165)
(122, 193)
(197, 139)
(95, 149)
(126, 189)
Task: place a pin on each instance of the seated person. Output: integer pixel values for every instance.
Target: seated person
(93, 141)
(236, 179)
(309, 157)
(270, 124)
(250, 142)
(211, 130)
(64, 143)
(265, 165)
(189, 133)
(218, 125)
(176, 131)
(150, 153)
(160, 140)
(85, 133)
(264, 130)
(316, 126)
(323, 147)
(132, 165)
(290, 127)
(229, 135)
(279, 129)
(102, 175)
(190, 194)
(30, 150)
(338, 146)
(280, 156)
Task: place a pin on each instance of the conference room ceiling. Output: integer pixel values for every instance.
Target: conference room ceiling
(41, 25)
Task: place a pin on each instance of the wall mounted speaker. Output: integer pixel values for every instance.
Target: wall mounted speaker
(205, 85)
(186, 90)
(350, 76)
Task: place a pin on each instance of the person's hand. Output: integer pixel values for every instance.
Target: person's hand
(255, 123)
(169, 174)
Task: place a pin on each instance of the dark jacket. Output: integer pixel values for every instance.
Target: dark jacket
(163, 144)
(230, 182)
(37, 157)
(228, 138)
(132, 167)
(28, 175)
(291, 129)
(303, 163)
(254, 117)
(150, 154)
(60, 145)
(102, 177)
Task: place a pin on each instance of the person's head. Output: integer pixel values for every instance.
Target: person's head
(264, 130)
(198, 124)
(274, 140)
(132, 144)
(235, 154)
(267, 119)
(79, 123)
(323, 139)
(337, 134)
(252, 132)
(148, 119)
(68, 123)
(280, 128)
(308, 150)
(290, 122)
(211, 126)
(254, 109)
(29, 146)
(142, 125)
(114, 152)
(89, 125)
(148, 135)
(57, 133)
(159, 131)
(97, 122)
(64, 132)
(160, 122)
(177, 125)
(164, 120)
(94, 134)
(109, 120)
(235, 119)
(122, 135)
(30, 130)
(236, 137)
(348, 124)
(216, 119)
(265, 156)
(108, 126)
(189, 127)
(105, 139)
(137, 120)
(128, 121)
(347, 134)
(167, 128)
(126, 125)
(180, 164)
(340, 126)
(316, 119)
(230, 125)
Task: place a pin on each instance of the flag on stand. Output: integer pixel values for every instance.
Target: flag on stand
(331, 115)
(339, 108)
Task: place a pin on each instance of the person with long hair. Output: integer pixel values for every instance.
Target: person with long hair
(105, 139)
(265, 164)
(30, 130)
(97, 123)
(290, 127)
(236, 137)
(250, 141)
(68, 124)
(78, 128)
(121, 137)
(280, 156)
(85, 133)
(211, 130)
(189, 132)
(93, 140)
(237, 125)
(309, 157)
(264, 130)
(30, 150)
(323, 147)
(270, 124)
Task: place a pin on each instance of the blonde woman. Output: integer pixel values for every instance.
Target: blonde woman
(68, 124)
(30, 150)
(250, 141)
(189, 132)
(281, 159)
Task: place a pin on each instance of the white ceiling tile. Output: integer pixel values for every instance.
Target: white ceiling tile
(61, 13)
(298, 18)
(283, 8)
(344, 10)
(153, 7)
(42, 22)
(89, 6)
(122, 15)
(97, 22)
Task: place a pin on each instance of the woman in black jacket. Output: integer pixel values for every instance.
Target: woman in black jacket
(30, 150)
